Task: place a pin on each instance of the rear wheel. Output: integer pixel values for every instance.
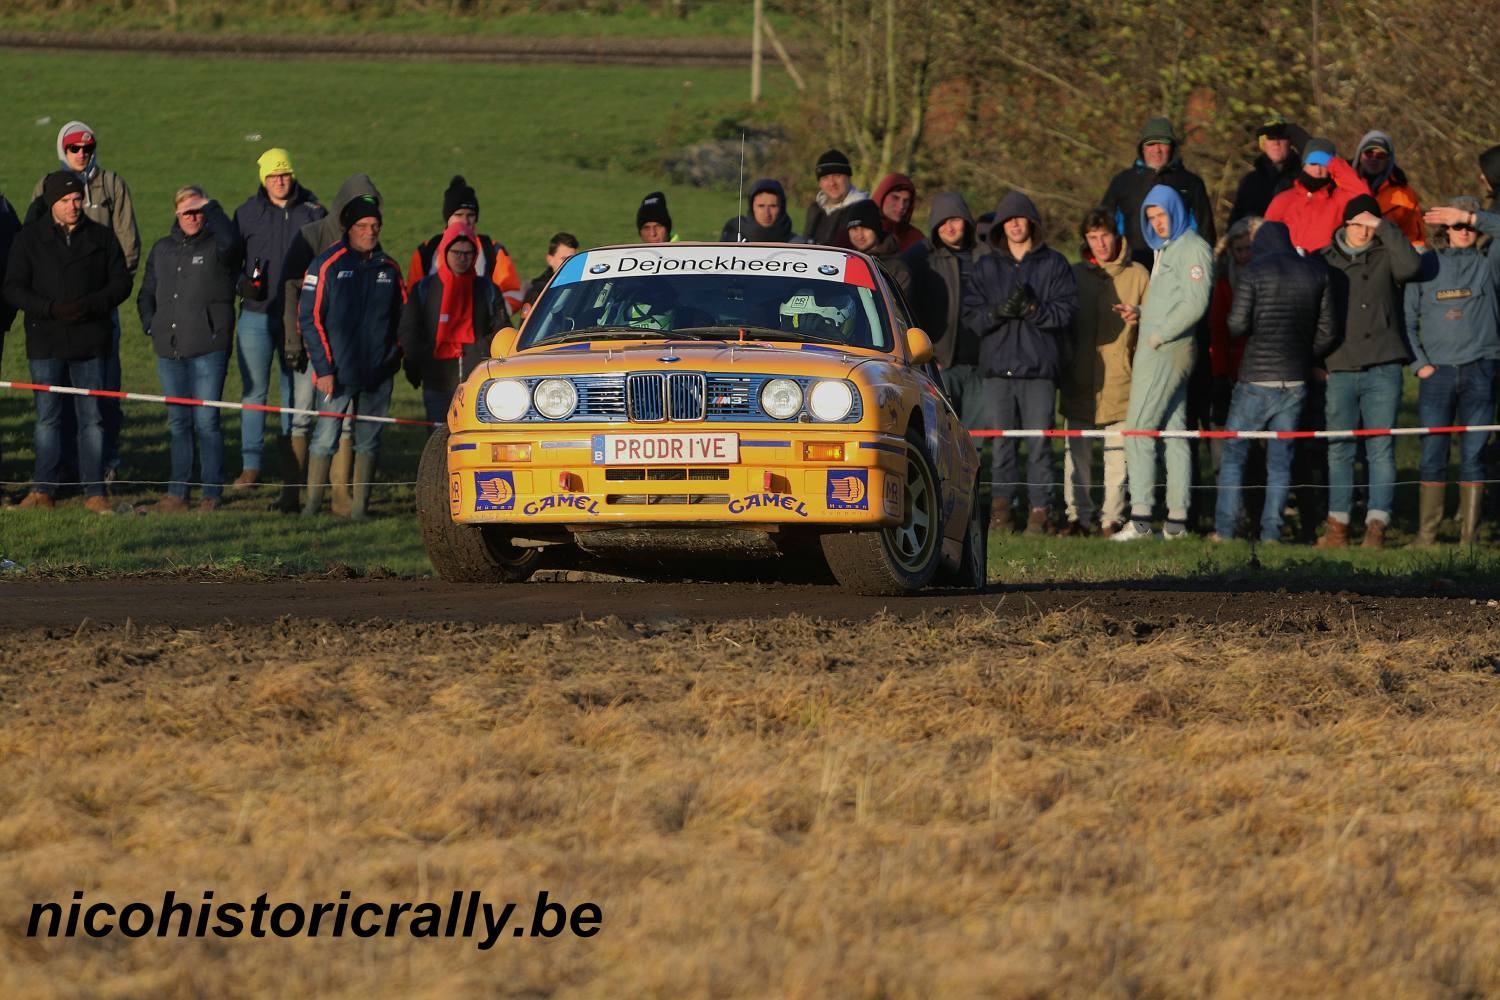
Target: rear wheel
(900, 559)
(462, 553)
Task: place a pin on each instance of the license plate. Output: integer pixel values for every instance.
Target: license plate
(666, 449)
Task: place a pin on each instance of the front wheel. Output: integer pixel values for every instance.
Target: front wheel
(462, 553)
(901, 559)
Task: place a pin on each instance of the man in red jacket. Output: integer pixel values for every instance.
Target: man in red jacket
(1313, 207)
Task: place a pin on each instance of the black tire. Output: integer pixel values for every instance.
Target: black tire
(900, 560)
(972, 570)
(462, 553)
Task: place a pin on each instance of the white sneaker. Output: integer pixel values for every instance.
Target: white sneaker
(1131, 532)
(1175, 536)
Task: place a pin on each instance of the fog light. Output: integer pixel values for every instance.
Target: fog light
(822, 451)
(510, 452)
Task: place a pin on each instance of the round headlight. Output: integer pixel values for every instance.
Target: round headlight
(781, 398)
(555, 398)
(830, 400)
(507, 399)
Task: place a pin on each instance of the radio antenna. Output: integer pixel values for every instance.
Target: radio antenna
(739, 208)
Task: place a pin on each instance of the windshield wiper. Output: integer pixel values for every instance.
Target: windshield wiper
(615, 333)
(760, 333)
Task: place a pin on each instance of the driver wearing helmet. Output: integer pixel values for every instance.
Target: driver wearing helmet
(803, 312)
(653, 308)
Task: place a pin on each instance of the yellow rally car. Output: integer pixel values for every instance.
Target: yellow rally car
(703, 400)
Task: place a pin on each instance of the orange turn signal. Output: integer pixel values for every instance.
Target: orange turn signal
(510, 452)
(822, 451)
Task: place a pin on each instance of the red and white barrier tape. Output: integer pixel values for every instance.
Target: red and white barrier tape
(218, 404)
(1054, 433)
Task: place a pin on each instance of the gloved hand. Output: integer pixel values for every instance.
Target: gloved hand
(413, 376)
(294, 352)
(1016, 305)
(68, 310)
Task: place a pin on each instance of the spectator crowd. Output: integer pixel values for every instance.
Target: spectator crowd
(1329, 282)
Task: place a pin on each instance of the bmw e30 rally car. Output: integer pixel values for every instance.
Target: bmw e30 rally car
(703, 400)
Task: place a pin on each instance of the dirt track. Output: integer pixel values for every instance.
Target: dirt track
(55, 604)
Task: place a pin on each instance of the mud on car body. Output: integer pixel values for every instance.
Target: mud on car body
(703, 400)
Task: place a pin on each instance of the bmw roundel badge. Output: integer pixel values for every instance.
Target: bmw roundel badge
(827, 269)
(598, 269)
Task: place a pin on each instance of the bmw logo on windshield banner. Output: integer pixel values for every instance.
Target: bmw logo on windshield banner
(848, 489)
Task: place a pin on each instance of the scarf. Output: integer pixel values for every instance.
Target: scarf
(1314, 184)
(455, 326)
(1349, 251)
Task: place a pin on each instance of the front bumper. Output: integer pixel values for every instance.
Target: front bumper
(772, 483)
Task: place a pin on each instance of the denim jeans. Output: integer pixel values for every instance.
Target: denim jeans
(111, 416)
(374, 402)
(89, 435)
(195, 378)
(1021, 404)
(1254, 408)
(1456, 395)
(1363, 399)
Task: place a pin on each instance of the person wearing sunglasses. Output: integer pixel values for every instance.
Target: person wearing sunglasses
(448, 321)
(186, 305)
(1453, 325)
(1376, 164)
(107, 201)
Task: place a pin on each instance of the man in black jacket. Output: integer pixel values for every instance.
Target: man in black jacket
(940, 266)
(1284, 308)
(1275, 169)
(68, 274)
(1368, 261)
(1158, 161)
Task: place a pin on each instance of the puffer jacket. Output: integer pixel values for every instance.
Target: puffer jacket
(1095, 383)
(350, 310)
(1284, 307)
(1453, 309)
(48, 266)
(186, 301)
(1029, 346)
(1367, 296)
(938, 276)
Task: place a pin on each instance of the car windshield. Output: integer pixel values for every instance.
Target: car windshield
(714, 306)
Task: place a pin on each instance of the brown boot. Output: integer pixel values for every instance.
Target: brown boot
(1000, 518)
(98, 505)
(1374, 535)
(1429, 514)
(1036, 522)
(293, 473)
(168, 505)
(1335, 535)
(338, 477)
(37, 500)
(1470, 498)
(246, 479)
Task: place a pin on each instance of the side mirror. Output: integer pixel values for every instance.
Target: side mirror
(504, 343)
(918, 347)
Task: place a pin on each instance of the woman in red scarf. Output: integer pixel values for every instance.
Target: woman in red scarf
(448, 322)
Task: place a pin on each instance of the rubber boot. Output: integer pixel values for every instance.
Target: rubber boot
(1429, 514)
(293, 472)
(338, 477)
(364, 481)
(317, 481)
(1470, 506)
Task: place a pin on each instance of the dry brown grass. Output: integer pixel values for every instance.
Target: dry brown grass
(964, 806)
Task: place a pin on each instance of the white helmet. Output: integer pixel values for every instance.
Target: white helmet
(803, 312)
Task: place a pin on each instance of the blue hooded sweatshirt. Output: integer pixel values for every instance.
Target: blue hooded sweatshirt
(1453, 312)
(1182, 274)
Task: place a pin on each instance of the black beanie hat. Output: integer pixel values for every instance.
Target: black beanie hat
(363, 207)
(653, 209)
(459, 195)
(833, 162)
(1361, 203)
(867, 214)
(60, 183)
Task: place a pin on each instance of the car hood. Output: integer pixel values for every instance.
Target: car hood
(821, 360)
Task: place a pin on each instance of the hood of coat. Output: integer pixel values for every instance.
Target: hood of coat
(854, 196)
(1016, 205)
(329, 230)
(92, 167)
(1379, 139)
(897, 182)
(1270, 239)
(1169, 201)
(950, 205)
(779, 231)
(1111, 268)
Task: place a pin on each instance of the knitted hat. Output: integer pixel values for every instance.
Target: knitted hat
(1158, 129)
(1361, 203)
(833, 162)
(58, 184)
(1319, 152)
(867, 214)
(363, 207)
(275, 161)
(459, 195)
(653, 209)
(78, 136)
(1465, 203)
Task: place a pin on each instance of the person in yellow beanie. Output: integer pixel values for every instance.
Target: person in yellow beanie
(268, 221)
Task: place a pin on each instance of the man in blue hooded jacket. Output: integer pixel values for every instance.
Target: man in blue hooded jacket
(1021, 301)
(1182, 271)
